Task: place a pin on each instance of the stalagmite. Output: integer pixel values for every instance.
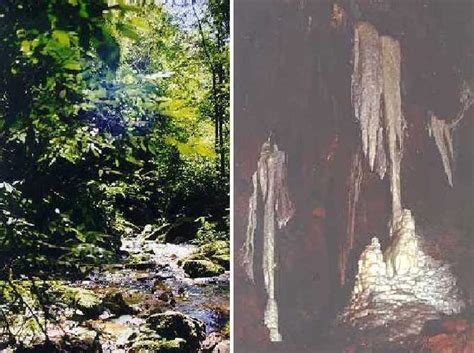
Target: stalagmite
(269, 181)
(402, 254)
(367, 87)
(402, 285)
(393, 117)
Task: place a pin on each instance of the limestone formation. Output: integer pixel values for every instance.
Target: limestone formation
(402, 289)
(367, 87)
(371, 267)
(393, 123)
(270, 182)
(441, 132)
(402, 255)
(377, 104)
(248, 249)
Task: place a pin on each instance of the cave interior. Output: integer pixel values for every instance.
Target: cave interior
(294, 79)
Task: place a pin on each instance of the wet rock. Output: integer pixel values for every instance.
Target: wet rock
(148, 341)
(163, 292)
(215, 343)
(141, 266)
(218, 252)
(150, 305)
(211, 341)
(222, 347)
(194, 256)
(202, 268)
(117, 304)
(86, 301)
(172, 324)
(78, 340)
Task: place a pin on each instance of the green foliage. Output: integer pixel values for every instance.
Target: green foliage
(107, 129)
(107, 123)
(208, 233)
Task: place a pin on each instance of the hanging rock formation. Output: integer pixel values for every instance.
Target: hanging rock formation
(402, 289)
(249, 248)
(377, 104)
(269, 181)
(367, 88)
(393, 116)
(442, 131)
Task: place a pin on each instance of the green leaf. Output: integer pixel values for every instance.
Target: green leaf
(72, 65)
(140, 23)
(25, 47)
(129, 32)
(62, 38)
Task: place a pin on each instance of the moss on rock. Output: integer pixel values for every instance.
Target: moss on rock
(171, 325)
(202, 268)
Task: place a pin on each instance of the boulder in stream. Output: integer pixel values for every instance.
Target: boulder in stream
(117, 304)
(202, 268)
(171, 325)
(218, 252)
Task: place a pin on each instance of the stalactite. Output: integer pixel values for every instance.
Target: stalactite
(271, 180)
(377, 75)
(442, 131)
(367, 88)
(248, 248)
(381, 158)
(393, 119)
(355, 180)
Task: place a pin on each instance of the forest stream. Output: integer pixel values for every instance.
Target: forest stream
(152, 300)
(150, 279)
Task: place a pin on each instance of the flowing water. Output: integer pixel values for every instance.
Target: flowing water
(147, 266)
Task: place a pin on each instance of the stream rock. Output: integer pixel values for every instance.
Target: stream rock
(117, 304)
(218, 252)
(202, 268)
(171, 325)
(82, 301)
(215, 343)
(222, 347)
(149, 341)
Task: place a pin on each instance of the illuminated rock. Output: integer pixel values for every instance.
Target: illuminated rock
(371, 267)
(402, 255)
(402, 286)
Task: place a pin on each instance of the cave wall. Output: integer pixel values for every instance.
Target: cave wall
(292, 76)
